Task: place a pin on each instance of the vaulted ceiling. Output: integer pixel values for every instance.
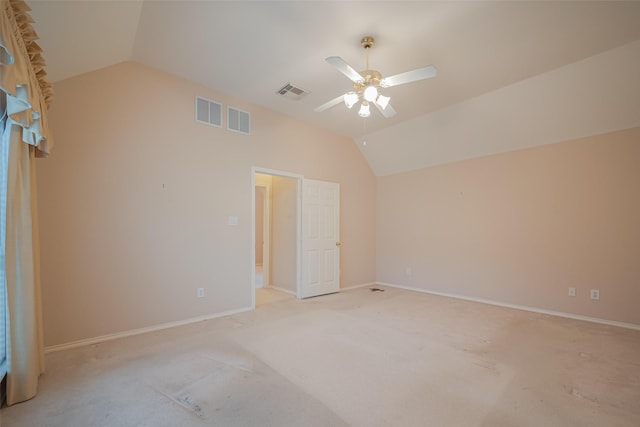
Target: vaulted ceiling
(251, 49)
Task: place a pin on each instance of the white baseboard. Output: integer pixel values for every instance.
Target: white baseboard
(95, 340)
(519, 307)
(364, 285)
(341, 289)
(278, 288)
(89, 341)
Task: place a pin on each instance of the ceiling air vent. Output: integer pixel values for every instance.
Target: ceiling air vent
(290, 91)
(209, 112)
(238, 120)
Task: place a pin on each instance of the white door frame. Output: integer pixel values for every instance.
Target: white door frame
(298, 178)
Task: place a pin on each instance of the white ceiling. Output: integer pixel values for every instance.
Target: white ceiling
(251, 49)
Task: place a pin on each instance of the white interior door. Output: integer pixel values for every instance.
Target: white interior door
(320, 238)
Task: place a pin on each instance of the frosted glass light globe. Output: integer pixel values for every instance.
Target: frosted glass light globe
(350, 99)
(364, 110)
(370, 93)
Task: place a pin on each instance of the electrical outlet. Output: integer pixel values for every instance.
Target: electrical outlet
(572, 292)
(595, 294)
(200, 292)
(408, 271)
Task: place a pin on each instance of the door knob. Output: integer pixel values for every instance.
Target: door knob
(338, 244)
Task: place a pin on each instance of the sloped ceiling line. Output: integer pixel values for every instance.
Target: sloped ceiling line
(249, 48)
(596, 95)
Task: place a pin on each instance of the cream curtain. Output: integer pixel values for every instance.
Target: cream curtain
(26, 94)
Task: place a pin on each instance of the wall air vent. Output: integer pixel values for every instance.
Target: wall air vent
(209, 112)
(238, 120)
(290, 91)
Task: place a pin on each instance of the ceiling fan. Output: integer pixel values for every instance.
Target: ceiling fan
(367, 84)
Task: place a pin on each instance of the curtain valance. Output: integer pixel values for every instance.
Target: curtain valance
(23, 77)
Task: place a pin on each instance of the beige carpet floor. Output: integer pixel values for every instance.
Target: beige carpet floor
(358, 358)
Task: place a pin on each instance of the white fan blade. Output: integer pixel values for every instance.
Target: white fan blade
(409, 76)
(327, 105)
(387, 112)
(344, 68)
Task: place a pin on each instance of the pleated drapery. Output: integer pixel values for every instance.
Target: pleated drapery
(26, 95)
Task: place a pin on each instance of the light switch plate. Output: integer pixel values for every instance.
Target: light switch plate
(233, 220)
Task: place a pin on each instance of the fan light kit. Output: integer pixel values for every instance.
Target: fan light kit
(367, 84)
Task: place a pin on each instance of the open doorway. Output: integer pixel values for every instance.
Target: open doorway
(276, 231)
(303, 261)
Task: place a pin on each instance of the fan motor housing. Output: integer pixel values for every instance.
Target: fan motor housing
(371, 77)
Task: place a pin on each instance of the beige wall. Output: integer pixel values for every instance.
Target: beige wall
(522, 227)
(260, 210)
(284, 233)
(135, 201)
(265, 181)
